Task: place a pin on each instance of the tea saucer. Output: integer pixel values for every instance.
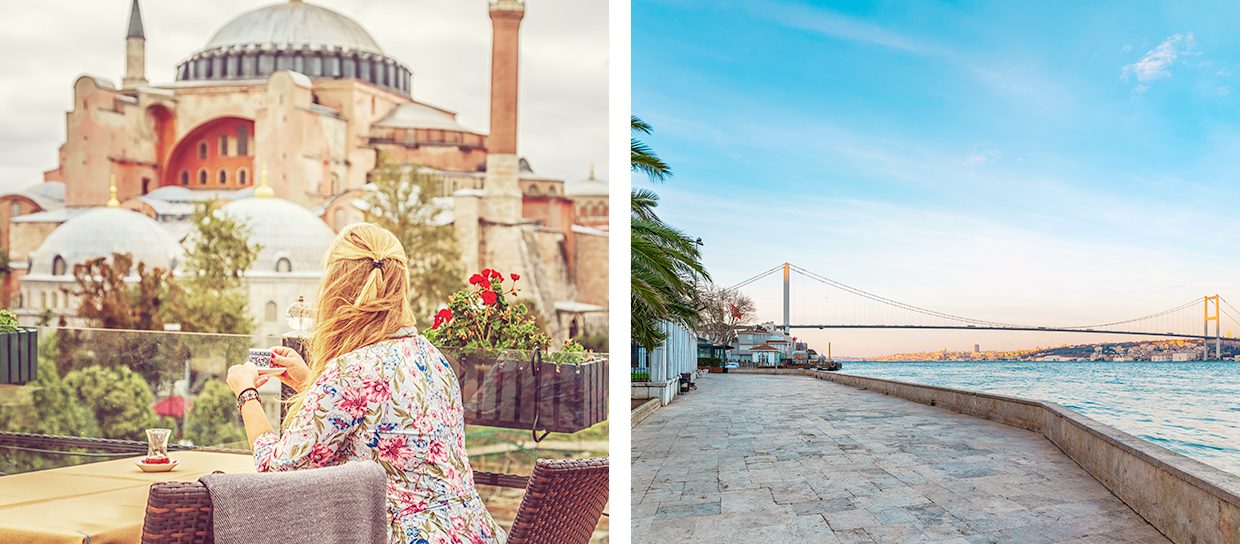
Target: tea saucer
(271, 371)
(157, 467)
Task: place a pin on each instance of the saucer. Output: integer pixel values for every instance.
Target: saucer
(157, 467)
(271, 371)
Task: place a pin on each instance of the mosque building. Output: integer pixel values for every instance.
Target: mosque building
(283, 114)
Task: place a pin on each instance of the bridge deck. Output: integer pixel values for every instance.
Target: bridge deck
(793, 459)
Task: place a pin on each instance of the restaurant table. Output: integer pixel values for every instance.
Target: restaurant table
(96, 503)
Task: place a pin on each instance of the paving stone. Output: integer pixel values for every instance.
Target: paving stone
(793, 459)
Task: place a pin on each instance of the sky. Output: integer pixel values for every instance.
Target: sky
(562, 119)
(1052, 163)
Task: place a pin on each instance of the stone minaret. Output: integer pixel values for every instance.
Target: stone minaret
(502, 204)
(135, 50)
(506, 18)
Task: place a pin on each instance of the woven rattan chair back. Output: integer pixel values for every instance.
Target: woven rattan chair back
(563, 502)
(178, 513)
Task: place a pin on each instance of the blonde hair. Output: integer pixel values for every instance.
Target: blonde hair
(363, 299)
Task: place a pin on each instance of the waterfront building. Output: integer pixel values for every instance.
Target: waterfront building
(758, 335)
(765, 355)
(307, 100)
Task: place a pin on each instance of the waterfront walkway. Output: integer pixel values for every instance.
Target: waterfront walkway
(793, 459)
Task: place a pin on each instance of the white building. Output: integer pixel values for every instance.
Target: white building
(765, 334)
(292, 241)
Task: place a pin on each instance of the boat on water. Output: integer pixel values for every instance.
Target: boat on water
(831, 365)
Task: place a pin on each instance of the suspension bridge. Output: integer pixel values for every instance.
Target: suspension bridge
(854, 308)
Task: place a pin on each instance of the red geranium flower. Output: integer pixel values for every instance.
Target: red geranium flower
(477, 279)
(443, 317)
(489, 297)
(493, 274)
(515, 277)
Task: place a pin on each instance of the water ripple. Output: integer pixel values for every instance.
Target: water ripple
(1184, 407)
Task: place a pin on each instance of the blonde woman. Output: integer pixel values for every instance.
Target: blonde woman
(376, 390)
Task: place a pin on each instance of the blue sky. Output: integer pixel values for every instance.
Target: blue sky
(1035, 162)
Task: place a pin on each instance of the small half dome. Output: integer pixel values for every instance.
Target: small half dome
(293, 239)
(100, 233)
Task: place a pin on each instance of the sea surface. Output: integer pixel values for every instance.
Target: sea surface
(1189, 408)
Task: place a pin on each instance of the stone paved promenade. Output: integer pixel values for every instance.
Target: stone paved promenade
(753, 458)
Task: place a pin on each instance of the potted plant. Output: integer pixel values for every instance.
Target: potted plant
(491, 340)
(19, 349)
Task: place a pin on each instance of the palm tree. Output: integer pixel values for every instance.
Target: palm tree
(666, 262)
(641, 157)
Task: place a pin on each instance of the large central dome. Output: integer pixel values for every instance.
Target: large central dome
(294, 23)
(305, 38)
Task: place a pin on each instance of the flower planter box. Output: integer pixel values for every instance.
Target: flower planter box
(19, 355)
(506, 393)
(716, 370)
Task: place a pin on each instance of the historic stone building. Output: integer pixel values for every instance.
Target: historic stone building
(307, 97)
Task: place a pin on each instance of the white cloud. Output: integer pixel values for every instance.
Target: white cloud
(982, 157)
(1156, 63)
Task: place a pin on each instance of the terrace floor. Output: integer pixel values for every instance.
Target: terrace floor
(794, 459)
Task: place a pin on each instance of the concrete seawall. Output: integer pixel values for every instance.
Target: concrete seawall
(1188, 501)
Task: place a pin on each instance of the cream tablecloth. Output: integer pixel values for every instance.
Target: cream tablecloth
(103, 501)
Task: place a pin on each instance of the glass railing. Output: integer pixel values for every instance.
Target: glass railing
(98, 387)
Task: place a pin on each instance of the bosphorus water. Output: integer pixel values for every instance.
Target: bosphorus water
(1189, 408)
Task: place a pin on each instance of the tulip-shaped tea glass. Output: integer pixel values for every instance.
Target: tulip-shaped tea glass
(157, 443)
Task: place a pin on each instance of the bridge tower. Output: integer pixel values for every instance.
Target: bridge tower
(1218, 334)
(787, 321)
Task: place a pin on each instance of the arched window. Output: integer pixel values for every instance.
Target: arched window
(223, 145)
(184, 177)
(223, 176)
(202, 176)
(43, 299)
(202, 150)
(55, 299)
(533, 189)
(551, 190)
(18, 300)
(269, 312)
(58, 266)
(284, 265)
(242, 176)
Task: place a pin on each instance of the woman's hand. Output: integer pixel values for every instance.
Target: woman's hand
(296, 370)
(242, 377)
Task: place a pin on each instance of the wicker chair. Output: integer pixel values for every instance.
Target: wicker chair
(563, 502)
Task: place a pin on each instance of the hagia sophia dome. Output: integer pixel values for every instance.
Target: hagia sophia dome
(298, 36)
(292, 238)
(101, 232)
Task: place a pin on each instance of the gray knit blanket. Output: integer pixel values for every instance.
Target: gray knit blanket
(346, 503)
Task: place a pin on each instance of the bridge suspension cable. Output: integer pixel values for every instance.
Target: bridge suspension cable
(752, 279)
(895, 303)
(1188, 304)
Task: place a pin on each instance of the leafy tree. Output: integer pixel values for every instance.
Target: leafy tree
(212, 297)
(107, 300)
(213, 417)
(665, 263)
(722, 311)
(119, 398)
(54, 407)
(401, 201)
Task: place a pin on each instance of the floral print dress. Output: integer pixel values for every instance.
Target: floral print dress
(398, 403)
